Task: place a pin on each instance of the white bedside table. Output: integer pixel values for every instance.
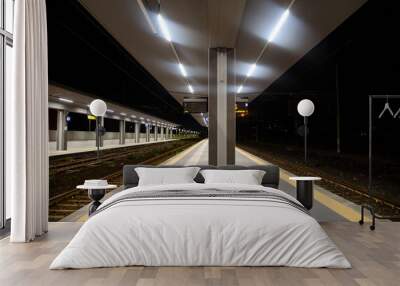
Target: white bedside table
(304, 190)
(95, 193)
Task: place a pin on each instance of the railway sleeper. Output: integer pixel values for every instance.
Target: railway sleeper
(61, 212)
(56, 217)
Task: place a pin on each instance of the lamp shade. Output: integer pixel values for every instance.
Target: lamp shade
(305, 107)
(98, 107)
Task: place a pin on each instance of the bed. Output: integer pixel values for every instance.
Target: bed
(198, 224)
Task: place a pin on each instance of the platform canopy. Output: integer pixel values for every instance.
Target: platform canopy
(62, 98)
(194, 26)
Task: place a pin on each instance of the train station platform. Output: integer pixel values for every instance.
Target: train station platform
(328, 207)
(93, 148)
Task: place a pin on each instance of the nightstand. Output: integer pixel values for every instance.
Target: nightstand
(304, 190)
(95, 193)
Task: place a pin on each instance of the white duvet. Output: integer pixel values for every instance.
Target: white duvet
(193, 231)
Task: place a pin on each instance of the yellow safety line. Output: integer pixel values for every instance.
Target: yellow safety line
(83, 218)
(329, 202)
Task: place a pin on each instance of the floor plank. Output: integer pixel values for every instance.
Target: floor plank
(375, 257)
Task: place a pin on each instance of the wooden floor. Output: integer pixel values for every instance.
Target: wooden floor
(375, 257)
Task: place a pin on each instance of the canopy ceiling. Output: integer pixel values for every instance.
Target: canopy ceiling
(197, 25)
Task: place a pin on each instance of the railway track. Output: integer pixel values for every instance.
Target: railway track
(70, 201)
(107, 155)
(66, 203)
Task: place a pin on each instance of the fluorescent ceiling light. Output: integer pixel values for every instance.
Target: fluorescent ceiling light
(163, 28)
(183, 71)
(110, 110)
(141, 118)
(239, 89)
(278, 26)
(146, 15)
(65, 100)
(133, 116)
(123, 113)
(190, 88)
(251, 70)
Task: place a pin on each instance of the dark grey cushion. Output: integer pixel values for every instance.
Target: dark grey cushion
(270, 179)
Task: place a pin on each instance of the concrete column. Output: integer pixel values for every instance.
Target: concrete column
(221, 106)
(122, 132)
(61, 139)
(147, 132)
(167, 133)
(137, 132)
(155, 132)
(162, 133)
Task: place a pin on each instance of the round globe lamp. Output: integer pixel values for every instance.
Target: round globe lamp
(305, 108)
(98, 108)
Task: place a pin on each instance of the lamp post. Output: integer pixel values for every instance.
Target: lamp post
(305, 108)
(98, 108)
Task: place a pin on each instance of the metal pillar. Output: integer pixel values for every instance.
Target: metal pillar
(101, 137)
(122, 132)
(137, 132)
(61, 139)
(221, 106)
(98, 137)
(305, 138)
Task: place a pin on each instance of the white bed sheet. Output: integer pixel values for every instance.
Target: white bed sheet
(200, 232)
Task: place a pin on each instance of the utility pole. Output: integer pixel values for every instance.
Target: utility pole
(338, 150)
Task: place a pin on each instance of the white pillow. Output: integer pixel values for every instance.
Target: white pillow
(248, 177)
(166, 176)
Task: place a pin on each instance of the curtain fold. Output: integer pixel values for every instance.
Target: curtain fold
(27, 123)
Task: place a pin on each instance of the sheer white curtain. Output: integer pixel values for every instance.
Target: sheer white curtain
(27, 124)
